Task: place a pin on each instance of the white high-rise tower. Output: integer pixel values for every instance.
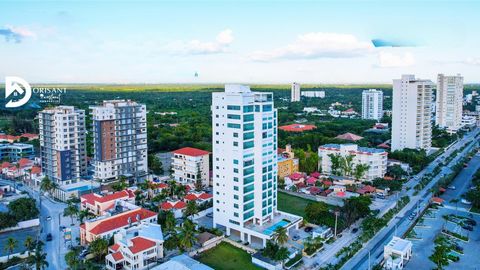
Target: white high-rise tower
(412, 113)
(449, 104)
(295, 92)
(245, 163)
(372, 104)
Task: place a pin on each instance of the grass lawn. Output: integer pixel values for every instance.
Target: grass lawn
(227, 257)
(292, 204)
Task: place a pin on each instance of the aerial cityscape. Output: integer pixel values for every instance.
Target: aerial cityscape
(176, 135)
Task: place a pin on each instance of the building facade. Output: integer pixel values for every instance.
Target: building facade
(120, 140)
(375, 158)
(449, 103)
(244, 162)
(295, 95)
(286, 162)
(190, 165)
(15, 151)
(412, 113)
(63, 144)
(372, 104)
(313, 94)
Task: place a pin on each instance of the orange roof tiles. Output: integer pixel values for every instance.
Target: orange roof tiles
(349, 137)
(117, 256)
(140, 244)
(121, 220)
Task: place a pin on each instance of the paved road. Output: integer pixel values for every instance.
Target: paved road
(56, 248)
(462, 181)
(400, 222)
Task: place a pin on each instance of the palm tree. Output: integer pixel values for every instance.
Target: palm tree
(39, 259)
(169, 221)
(99, 248)
(282, 255)
(70, 211)
(346, 165)
(335, 160)
(187, 235)
(71, 258)
(83, 214)
(46, 184)
(360, 171)
(10, 246)
(191, 209)
(281, 236)
(29, 244)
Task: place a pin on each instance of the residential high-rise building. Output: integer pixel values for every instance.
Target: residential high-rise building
(295, 92)
(411, 113)
(449, 104)
(63, 144)
(372, 104)
(120, 140)
(245, 164)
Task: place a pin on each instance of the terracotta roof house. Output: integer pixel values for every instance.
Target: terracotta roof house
(98, 204)
(297, 127)
(349, 137)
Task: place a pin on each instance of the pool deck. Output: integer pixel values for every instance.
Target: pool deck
(278, 217)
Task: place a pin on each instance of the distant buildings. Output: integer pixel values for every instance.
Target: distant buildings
(449, 103)
(375, 158)
(295, 92)
(245, 164)
(287, 164)
(313, 94)
(297, 127)
(63, 144)
(120, 140)
(190, 165)
(15, 151)
(140, 246)
(412, 113)
(372, 104)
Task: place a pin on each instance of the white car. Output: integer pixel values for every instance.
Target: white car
(452, 187)
(466, 202)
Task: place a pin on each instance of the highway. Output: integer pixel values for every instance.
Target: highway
(372, 251)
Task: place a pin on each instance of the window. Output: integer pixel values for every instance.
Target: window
(267, 108)
(233, 107)
(235, 170)
(235, 179)
(235, 188)
(231, 125)
(233, 116)
(235, 143)
(247, 127)
(248, 108)
(235, 161)
(235, 135)
(248, 145)
(248, 118)
(248, 135)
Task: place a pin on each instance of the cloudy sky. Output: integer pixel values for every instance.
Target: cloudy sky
(238, 41)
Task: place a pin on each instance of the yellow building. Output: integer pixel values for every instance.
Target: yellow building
(287, 163)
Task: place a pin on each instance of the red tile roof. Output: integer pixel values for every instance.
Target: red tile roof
(6, 165)
(117, 256)
(115, 247)
(23, 162)
(315, 174)
(29, 135)
(205, 196)
(36, 170)
(296, 176)
(190, 151)
(297, 127)
(349, 137)
(166, 206)
(140, 244)
(437, 200)
(311, 180)
(91, 198)
(191, 197)
(121, 220)
(180, 205)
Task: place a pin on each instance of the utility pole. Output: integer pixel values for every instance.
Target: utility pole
(369, 267)
(336, 219)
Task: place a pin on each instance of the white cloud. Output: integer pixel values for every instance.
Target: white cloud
(472, 61)
(317, 45)
(16, 33)
(220, 45)
(388, 59)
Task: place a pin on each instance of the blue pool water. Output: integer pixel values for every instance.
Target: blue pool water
(80, 188)
(270, 230)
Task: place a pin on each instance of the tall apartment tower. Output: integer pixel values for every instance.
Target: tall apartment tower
(120, 140)
(63, 144)
(244, 160)
(372, 104)
(412, 113)
(449, 104)
(295, 92)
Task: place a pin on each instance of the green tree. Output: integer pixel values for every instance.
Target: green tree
(396, 172)
(360, 170)
(346, 165)
(281, 255)
(121, 184)
(191, 209)
(335, 160)
(38, 259)
(355, 208)
(187, 235)
(83, 214)
(170, 221)
(71, 258)
(23, 209)
(29, 244)
(10, 246)
(99, 248)
(46, 184)
(473, 196)
(70, 211)
(155, 165)
(439, 256)
(281, 236)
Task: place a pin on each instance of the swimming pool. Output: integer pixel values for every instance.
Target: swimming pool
(80, 188)
(270, 230)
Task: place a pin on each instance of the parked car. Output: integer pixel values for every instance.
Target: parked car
(467, 227)
(295, 237)
(453, 257)
(452, 187)
(471, 222)
(49, 237)
(308, 229)
(354, 230)
(210, 215)
(49, 218)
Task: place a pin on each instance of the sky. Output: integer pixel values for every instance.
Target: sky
(238, 41)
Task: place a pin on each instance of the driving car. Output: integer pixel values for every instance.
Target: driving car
(49, 237)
